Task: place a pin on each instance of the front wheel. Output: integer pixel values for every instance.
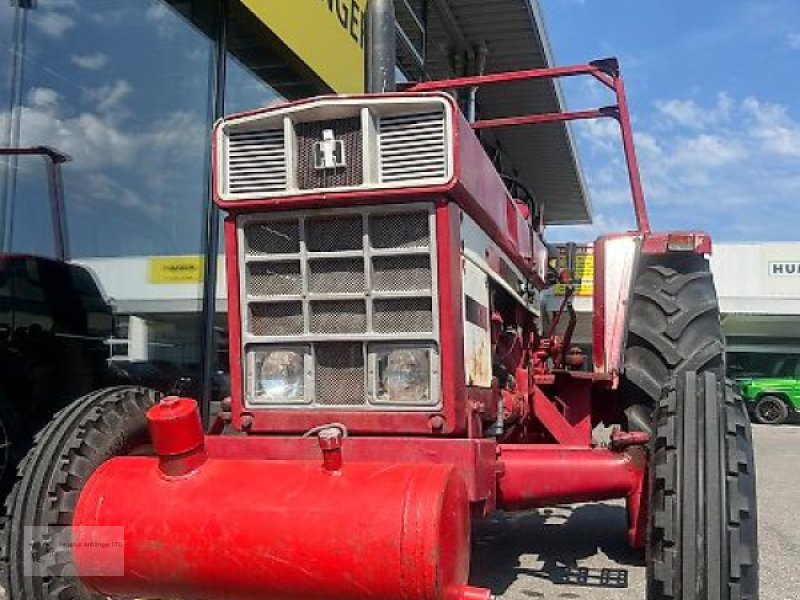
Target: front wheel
(770, 410)
(81, 437)
(702, 541)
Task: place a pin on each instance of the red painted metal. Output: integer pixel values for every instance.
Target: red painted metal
(287, 530)
(543, 475)
(235, 358)
(607, 72)
(501, 78)
(555, 422)
(634, 177)
(301, 529)
(176, 434)
(475, 460)
(539, 119)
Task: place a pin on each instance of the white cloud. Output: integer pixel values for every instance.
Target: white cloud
(92, 141)
(100, 187)
(706, 150)
(110, 96)
(161, 17)
(793, 40)
(773, 127)
(703, 166)
(683, 112)
(687, 113)
(90, 62)
(43, 98)
(52, 24)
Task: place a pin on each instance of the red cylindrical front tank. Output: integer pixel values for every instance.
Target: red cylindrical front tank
(255, 529)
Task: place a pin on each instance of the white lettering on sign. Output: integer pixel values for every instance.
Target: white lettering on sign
(789, 267)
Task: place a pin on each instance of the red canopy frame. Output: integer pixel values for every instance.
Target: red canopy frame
(606, 71)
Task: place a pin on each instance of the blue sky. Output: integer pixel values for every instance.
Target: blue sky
(714, 88)
(122, 86)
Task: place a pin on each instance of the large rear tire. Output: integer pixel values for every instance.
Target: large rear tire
(67, 451)
(702, 542)
(673, 327)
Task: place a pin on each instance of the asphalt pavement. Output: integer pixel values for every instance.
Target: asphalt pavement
(579, 551)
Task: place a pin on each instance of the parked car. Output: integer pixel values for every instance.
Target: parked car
(54, 323)
(772, 399)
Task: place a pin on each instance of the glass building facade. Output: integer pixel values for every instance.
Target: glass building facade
(129, 89)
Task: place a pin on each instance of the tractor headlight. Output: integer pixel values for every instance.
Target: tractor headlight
(279, 375)
(403, 376)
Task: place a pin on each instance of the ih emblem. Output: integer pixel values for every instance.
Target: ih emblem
(329, 153)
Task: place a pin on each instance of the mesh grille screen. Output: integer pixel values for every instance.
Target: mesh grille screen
(403, 315)
(307, 280)
(346, 130)
(399, 231)
(277, 318)
(398, 273)
(336, 276)
(332, 234)
(340, 374)
(275, 237)
(338, 316)
(274, 279)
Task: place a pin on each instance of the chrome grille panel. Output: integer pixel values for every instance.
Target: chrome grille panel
(337, 282)
(256, 162)
(412, 147)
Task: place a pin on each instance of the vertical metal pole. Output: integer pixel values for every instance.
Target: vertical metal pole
(57, 208)
(12, 132)
(208, 347)
(381, 55)
(634, 176)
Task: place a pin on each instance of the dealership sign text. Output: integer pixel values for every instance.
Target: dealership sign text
(789, 267)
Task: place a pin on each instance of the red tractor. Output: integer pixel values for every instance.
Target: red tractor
(394, 377)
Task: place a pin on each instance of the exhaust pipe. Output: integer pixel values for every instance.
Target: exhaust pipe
(381, 53)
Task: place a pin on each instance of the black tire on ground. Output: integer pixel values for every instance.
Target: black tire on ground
(770, 410)
(702, 542)
(673, 327)
(94, 428)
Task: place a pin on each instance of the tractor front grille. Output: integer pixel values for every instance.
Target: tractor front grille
(334, 287)
(378, 143)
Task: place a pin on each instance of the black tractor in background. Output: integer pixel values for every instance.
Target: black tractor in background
(54, 328)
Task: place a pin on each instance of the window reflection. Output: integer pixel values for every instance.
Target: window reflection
(123, 88)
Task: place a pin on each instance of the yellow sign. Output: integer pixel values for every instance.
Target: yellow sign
(327, 35)
(584, 271)
(175, 269)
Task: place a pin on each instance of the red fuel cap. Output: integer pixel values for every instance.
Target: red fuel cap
(175, 426)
